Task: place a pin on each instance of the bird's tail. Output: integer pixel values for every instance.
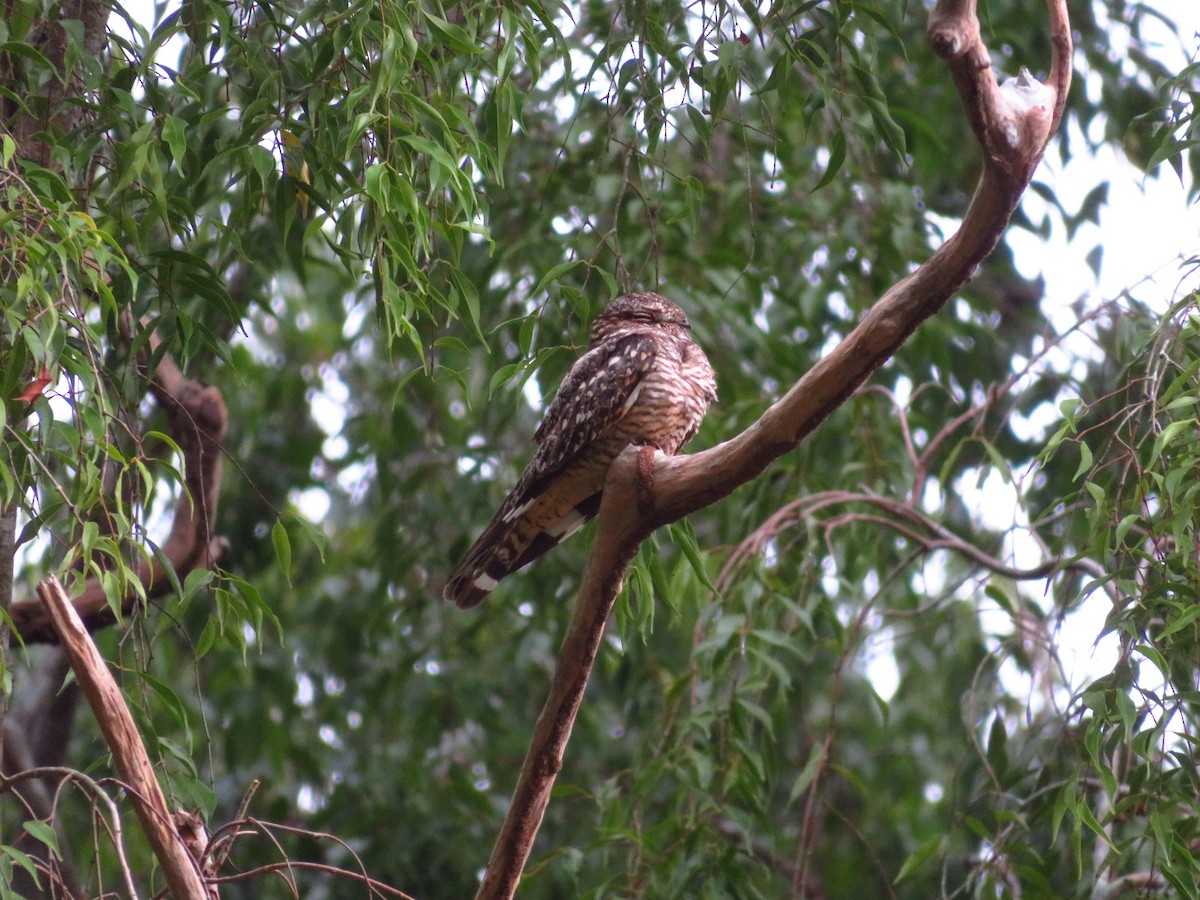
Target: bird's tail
(479, 571)
(499, 551)
(506, 546)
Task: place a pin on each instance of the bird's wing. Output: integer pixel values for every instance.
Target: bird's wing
(596, 393)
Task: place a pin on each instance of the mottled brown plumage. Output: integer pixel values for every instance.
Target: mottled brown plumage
(642, 381)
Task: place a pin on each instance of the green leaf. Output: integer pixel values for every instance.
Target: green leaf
(837, 156)
(22, 859)
(554, 274)
(1088, 818)
(919, 857)
(283, 549)
(1085, 461)
(172, 701)
(816, 761)
(43, 832)
(454, 35)
(196, 581)
(1001, 597)
(1184, 620)
(167, 566)
(685, 539)
(313, 532)
(1064, 799)
(1168, 437)
(174, 131)
(997, 748)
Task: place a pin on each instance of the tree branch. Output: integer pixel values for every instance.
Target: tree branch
(614, 548)
(645, 490)
(121, 735)
(197, 422)
(1023, 107)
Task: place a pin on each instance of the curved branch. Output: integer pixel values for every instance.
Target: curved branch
(935, 537)
(197, 419)
(645, 490)
(1013, 124)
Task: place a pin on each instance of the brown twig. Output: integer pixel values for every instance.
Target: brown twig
(375, 887)
(121, 735)
(644, 491)
(61, 776)
(221, 841)
(242, 825)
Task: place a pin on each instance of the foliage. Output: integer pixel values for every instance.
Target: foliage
(383, 228)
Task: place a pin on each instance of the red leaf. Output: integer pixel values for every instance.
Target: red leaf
(34, 389)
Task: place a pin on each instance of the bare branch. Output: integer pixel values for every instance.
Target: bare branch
(121, 735)
(645, 490)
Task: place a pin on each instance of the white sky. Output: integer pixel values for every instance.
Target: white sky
(1147, 224)
(1146, 229)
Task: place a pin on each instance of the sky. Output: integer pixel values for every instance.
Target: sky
(1147, 229)
(1147, 224)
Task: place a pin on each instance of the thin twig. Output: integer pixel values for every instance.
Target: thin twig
(268, 868)
(224, 836)
(220, 844)
(64, 775)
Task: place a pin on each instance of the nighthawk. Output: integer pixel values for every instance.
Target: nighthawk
(643, 381)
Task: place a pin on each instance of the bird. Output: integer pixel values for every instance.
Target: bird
(643, 381)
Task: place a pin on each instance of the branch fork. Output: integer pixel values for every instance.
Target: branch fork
(644, 491)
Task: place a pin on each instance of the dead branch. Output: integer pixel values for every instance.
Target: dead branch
(125, 744)
(60, 776)
(197, 421)
(243, 825)
(374, 888)
(644, 490)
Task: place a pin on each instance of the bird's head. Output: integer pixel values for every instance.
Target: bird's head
(637, 312)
